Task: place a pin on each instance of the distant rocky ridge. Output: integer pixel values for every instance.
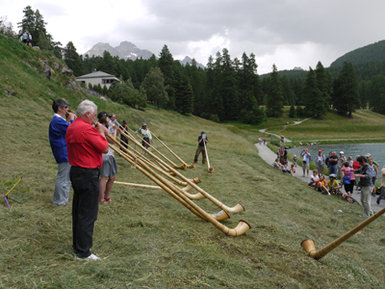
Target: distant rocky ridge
(125, 50)
(128, 50)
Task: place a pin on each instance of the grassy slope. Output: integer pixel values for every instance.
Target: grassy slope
(364, 125)
(147, 239)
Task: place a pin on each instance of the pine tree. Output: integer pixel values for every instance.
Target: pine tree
(183, 94)
(27, 24)
(324, 83)
(345, 91)
(166, 65)
(215, 110)
(315, 105)
(72, 59)
(108, 64)
(34, 23)
(274, 104)
(228, 87)
(377, 100)
(153, 85)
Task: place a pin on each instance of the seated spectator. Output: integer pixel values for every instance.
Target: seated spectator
(292, 169)
(333, 187)
(314, 178)
(284, 169)
(320, 184)
(295, 160)
(277, 164)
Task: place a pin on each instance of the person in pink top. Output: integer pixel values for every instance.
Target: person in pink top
(348, 177)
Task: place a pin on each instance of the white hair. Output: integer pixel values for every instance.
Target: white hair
(86, 106)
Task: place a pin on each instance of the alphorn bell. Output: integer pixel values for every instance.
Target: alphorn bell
(309, 244)
(240, 229)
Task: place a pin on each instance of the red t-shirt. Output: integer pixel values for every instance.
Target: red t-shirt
(356, 165)
(85, 145)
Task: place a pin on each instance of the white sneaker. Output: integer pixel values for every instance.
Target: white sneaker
(90, 257)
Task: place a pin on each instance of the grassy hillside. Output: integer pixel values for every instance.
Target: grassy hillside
(368, 54)
(363, 126)
(145, 237)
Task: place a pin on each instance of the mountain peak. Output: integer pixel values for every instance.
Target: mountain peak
(125, 50)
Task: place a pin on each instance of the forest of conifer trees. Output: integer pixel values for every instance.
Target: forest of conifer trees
(227, 89)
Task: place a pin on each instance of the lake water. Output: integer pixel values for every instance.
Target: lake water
(377, 150)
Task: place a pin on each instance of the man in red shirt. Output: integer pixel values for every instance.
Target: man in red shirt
(85, 145)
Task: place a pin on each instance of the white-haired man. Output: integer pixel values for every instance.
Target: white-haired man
(85, 145)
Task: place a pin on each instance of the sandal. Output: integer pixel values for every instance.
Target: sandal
(107, 200)
(102, 201)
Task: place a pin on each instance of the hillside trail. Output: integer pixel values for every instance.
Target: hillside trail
(284, 127)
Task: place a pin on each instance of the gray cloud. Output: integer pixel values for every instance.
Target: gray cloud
(286, 32)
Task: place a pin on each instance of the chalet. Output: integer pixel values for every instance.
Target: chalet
(98, 77)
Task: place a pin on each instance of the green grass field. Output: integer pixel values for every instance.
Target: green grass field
(146, 238)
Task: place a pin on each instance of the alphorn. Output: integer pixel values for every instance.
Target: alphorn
(137, 185)
(148, 162)
(174, 154)
(240, 229)
(126, 134)
(190, 196)
(309, 244)
(207, 157)
(136, 157)
(236, 209)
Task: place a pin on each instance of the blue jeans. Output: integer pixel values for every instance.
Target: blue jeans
(63, 184)
(333, 170)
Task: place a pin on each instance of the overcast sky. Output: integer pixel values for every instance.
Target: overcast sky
(287, 33)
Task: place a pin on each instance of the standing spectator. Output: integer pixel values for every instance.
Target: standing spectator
(85, 144)
(356, 166)
(295, 160)
(320, 162)
(202, 140)
(333, 160)
(365, 175)
(57, 132)
(113, 125)
(350, 161)
(340, 163)
(281, 154)
(123, 138)
(382, 189)
(109, 167)
(374, 171)
(25, 38)
(305, 161)
(30, 39)
(146, 134)
(348, 178)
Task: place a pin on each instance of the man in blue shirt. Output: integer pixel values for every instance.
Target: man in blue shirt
(57, 132)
